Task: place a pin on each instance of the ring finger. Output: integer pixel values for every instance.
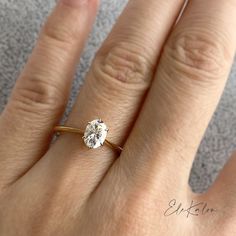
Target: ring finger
(114, 90)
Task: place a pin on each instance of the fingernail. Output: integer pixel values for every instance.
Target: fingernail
(74, 3)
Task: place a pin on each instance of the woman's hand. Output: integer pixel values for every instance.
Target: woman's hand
(156, 86)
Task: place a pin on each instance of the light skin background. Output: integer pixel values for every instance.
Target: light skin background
(156, 87)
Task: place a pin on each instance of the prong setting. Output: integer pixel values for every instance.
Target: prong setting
(95, 133)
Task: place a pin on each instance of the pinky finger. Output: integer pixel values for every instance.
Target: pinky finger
(41, 92)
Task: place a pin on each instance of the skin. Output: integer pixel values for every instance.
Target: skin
(156, 84)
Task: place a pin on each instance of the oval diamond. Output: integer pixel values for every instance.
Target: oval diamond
(95, 133)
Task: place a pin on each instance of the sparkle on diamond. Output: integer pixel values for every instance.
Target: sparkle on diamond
(95, 133)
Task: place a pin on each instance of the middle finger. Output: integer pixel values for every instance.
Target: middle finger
(190, 79)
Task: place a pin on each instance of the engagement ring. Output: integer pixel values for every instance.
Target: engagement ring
(94, 135)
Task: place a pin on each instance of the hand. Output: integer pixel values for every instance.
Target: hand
(156, 85)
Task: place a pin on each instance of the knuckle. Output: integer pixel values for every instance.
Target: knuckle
(198, 53)
(37, 95)
(125, 63)
(135, 218)
(59, 33)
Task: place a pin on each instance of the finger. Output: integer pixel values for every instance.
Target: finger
(41, 92)
(223, 190)
(189, 82)
(114, 89)
(223, 194)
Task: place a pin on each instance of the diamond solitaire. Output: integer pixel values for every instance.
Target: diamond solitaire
(95, 133)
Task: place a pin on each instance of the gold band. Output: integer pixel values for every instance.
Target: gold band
(67, 129)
